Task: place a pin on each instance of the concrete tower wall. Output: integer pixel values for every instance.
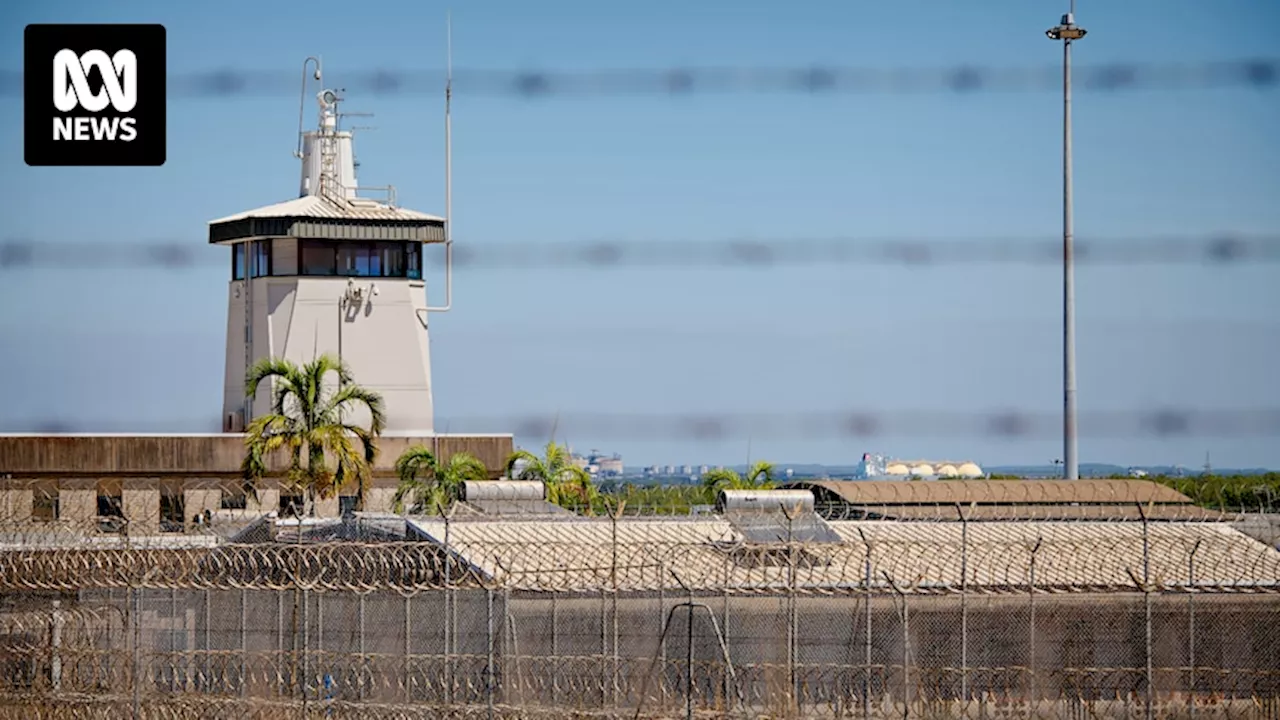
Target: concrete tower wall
(382, 338)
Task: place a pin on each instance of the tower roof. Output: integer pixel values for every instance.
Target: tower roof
(320, 217)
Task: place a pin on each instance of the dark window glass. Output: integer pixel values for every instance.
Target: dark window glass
(237, 261)
(110, 506)
(347, 505)
(317, 258)
(392, 259)
(347, 259)
(359, 259)
(171, 508)
(291, 506)
(234, 499)
(414, 262)
(261, 265)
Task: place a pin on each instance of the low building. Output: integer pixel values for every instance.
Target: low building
(143, 485)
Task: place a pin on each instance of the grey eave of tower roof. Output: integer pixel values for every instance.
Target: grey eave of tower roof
(313, 217)
(324, 229)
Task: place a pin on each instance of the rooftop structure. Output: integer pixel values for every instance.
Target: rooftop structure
(1002, 500)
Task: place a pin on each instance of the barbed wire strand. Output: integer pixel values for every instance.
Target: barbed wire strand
(1220, 249)
(538, 553)
(220, 508)
(817, 79)
(1013, 424)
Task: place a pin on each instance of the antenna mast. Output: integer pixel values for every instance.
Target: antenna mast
(448, 170)
(302, 98)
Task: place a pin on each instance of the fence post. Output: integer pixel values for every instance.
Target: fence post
(724, 620)
(244, 642)
(364, 661)
(688, 664)
(173, 640)
(555, 647)
(55, 645)
(866, 672)
(614, 514)
(449, 602)
(280, 635)
(1032, 695)
(208, 670)
(906, 647)
(662, 639)
(408, 648)
(1146, 601)
(604, 646)
(792, 690)
(488, 682)
(135, 619)
(1191, 629)
(964, 606)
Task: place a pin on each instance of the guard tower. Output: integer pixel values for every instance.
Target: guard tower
(331, 272)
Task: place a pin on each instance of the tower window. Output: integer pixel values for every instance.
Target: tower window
(317, 258)
(360, 259)
(415, 263)
(237, 261)
(261, 265)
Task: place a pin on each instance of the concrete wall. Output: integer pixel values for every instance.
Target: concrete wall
(15, 504)
(199, 469)
(212, 456)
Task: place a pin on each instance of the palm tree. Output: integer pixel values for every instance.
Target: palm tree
(430, 485)
(308, 420)
(760, 476)
(567, 484)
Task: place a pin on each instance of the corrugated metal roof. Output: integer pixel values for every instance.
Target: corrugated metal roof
(886, 492)
(759, 526)
(314, 206)
(579, 554)
(1066, 512)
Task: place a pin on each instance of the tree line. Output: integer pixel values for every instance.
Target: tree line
(310, 423)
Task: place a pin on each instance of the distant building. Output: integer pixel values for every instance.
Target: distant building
(599, 465)
(874, 467)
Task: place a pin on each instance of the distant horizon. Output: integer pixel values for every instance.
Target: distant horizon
(116, 428)
(993, 469)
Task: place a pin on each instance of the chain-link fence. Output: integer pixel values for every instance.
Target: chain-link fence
(631, 617)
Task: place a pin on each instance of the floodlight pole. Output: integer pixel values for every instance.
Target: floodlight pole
(1067, 32)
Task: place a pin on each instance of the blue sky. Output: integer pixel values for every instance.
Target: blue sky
(146, 346)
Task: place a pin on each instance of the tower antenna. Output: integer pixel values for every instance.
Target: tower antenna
(302, 98)
(448, 170)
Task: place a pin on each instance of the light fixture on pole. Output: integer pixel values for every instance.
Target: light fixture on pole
(1068, 32)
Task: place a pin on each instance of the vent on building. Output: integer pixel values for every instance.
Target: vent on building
(775, 516)
(509, 497)
(233, 422)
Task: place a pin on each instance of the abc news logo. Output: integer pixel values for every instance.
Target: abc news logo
(95, 95)
(71, 91)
